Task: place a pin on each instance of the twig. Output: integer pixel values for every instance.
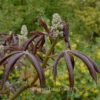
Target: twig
(21, 89)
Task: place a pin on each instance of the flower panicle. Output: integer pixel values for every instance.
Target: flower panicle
(57, 26)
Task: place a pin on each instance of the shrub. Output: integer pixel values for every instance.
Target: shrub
(31, 56)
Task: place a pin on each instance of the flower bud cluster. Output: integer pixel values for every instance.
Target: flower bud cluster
(10, 32)
(24, 30)
(23, 35)
(57, 26)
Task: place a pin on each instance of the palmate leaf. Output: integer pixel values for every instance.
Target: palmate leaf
(14, 60)
(68, 55)
(87, 62)
(38, 68)
(70, 64)
(10, 66)
(70, 69)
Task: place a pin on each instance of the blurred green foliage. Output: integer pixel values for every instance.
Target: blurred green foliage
(15, 13)
(84, 18)
(83, 15)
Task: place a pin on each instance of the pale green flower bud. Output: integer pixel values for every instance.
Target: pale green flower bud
(24, 30)
(22, 39)
(10, 32)
(23, 36)
(1, 47)
(61, 33)
(60, 27)
(57, 26)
